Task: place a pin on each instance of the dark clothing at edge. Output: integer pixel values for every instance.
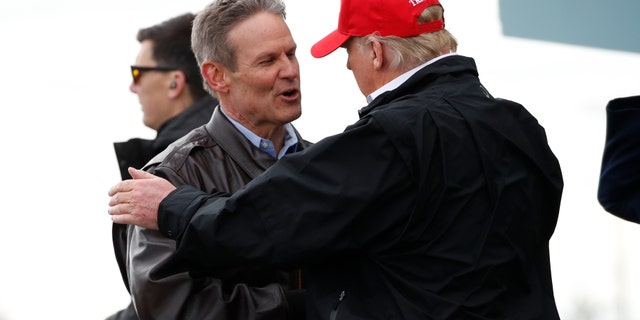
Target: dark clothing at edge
(619, 185)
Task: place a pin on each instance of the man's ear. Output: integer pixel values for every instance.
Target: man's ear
(177, 84)
(215, 75)
(377, 54)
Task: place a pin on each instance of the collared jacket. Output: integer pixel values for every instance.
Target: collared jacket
(438, 203)
(619, 184)
(214, 158)
(136, 153)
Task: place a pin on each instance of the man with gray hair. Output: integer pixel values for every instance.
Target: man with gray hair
(247, 59)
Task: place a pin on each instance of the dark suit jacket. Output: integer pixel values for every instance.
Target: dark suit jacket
(619, 186)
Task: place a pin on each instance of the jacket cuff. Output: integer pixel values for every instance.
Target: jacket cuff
(175, 210)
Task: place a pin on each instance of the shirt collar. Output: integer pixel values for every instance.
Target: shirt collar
(266, 145)
(391, 85)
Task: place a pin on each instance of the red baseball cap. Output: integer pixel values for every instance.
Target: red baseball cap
(386, 17)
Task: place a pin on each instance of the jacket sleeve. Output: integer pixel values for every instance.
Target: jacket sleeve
(162, 288)
(619, 185)
(301, 210)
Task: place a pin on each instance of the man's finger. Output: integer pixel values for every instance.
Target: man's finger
(122, 186)
(115, 199)
(139, 174)
(116, 209)
(120, 219)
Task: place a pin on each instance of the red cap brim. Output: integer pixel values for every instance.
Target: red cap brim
(329, 44)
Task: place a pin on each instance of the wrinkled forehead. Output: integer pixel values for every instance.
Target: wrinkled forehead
(262, 33)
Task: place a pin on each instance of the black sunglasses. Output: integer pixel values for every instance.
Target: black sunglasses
(136, 71)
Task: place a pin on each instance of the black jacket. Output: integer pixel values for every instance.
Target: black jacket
(619, 185)
(438, 203)
(137, 152)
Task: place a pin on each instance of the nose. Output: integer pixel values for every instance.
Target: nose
(133, 87)
(290, 68)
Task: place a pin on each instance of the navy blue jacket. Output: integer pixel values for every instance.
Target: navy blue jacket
(619, 186)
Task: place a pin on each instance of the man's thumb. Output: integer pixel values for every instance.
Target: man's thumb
(139, 174)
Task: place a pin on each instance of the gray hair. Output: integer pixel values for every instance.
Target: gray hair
(211, 27)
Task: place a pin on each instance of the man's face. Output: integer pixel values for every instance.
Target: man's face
(152, 89)
(264, 91)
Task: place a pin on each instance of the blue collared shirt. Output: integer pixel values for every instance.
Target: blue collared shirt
(266, 145)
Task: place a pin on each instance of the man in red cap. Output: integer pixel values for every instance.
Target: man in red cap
(438, 203)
